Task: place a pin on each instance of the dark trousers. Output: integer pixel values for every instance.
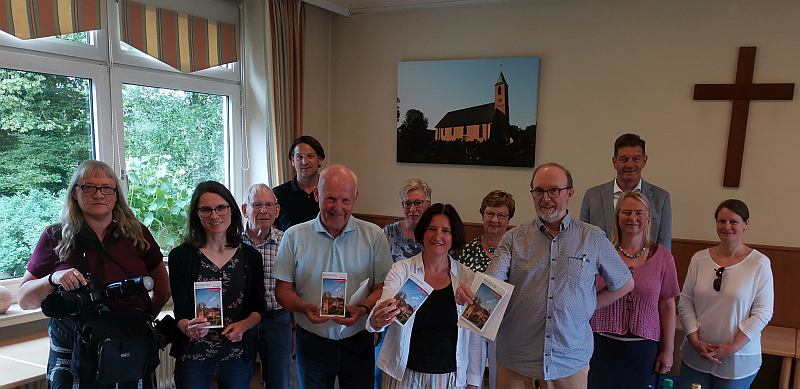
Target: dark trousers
(275, 349)
(231, 374)
(621, 364)
(320, 361)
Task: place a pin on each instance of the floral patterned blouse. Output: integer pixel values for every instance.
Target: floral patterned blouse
(214, 345)
(401, 246)
(473, 256)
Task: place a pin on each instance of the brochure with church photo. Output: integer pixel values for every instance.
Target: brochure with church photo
(485, 313)
(410, 297)
(208, 302)
(334, 292)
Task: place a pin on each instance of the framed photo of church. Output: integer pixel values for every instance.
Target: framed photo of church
(468, 112)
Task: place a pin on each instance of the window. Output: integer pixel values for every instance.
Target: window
(174, 140)
(62, 100)
(45, 131)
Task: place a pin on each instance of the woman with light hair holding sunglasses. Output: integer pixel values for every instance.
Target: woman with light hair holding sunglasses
(726, 302)
(634, 336)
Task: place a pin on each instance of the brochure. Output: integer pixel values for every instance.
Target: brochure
(410, 297)
(361, 293)
(334, 292)
(484, 315)
(208, 302)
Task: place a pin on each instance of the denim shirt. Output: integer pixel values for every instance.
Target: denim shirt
(394, 353)
(545, 332)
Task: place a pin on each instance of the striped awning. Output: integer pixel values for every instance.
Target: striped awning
(185, 42)
(28, 19)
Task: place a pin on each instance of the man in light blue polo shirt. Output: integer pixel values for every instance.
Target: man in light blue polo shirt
(334, 241)
(552, 261)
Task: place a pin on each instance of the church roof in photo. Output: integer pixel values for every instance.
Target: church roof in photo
(464, 117)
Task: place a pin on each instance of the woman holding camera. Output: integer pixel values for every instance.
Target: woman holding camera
(98, 240)
(213, 252)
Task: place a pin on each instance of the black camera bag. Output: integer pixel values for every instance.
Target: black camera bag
(110, 350)
(114, 347)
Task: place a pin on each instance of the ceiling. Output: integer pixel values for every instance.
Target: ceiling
(351, 7)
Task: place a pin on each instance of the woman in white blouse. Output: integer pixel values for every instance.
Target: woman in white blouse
(726, 302)
(430, 351)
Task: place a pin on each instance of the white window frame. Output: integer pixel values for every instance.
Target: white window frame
(108, 73)
(233, 141)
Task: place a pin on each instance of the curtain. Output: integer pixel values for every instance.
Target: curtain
(187, 43)
(286, 37)
(27, 19)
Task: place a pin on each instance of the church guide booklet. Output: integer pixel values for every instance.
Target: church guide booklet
(208, 302)
(334, 292)
(410, 297)
(484, 315)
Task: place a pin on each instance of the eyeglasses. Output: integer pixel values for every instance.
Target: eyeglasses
(221, 210)
(718, 280)
(416, 203)
(259, 206)
(552, 192)
(492, 215)
(90, 189)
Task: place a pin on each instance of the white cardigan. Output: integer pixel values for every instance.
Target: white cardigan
(394, 352)
(743, 303)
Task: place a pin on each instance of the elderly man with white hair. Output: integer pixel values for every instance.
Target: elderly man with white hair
(332, 347)
(260, 209)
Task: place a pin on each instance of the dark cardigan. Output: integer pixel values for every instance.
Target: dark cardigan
(184, 265)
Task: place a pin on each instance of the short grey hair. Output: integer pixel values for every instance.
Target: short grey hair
(253, 189)
(415, 184)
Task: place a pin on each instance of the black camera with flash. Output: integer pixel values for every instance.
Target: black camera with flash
(88, 300)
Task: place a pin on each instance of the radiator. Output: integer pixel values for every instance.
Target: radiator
(165, 377)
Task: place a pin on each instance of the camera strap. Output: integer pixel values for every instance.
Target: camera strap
(89, 242)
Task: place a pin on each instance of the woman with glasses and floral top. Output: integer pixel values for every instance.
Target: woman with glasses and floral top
(497, 209)
(213, 251)
(726, 302)
(636, 333)
(415, 197)
(99, 240)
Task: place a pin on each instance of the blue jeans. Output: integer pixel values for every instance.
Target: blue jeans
(691, 376)
(231, 374)
(275, 349)
(320, 361)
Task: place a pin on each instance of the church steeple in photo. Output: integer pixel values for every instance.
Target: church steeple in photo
(501, 93)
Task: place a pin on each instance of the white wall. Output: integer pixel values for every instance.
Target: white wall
(607, 68)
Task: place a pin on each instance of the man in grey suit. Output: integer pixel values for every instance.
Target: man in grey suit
(629, 160)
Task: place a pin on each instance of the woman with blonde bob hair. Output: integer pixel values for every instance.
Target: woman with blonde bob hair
(97, 239)
(635, 333)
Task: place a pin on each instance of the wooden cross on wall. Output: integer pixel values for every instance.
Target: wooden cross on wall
(741, 93)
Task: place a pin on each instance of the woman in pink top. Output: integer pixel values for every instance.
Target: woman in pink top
(633, 336)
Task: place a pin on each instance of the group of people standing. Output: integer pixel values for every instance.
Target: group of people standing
(594, 303)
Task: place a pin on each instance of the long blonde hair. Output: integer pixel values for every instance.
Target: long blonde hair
(616, 233)
(72, 216)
